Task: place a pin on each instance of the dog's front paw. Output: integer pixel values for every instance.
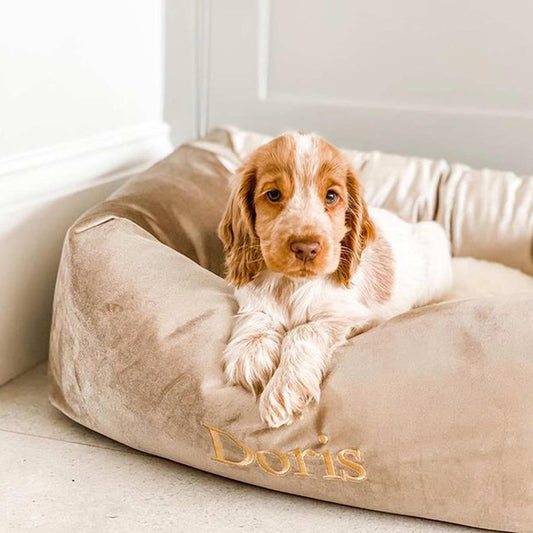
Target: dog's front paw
(251, 360)
(286, 395)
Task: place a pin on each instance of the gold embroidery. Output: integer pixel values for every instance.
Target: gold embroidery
(300, 459)
(361, 472)
(219, 448)
(283, 459)
(330, 467)
(231, 451)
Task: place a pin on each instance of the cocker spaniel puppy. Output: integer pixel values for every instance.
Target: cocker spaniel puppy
(312, 265)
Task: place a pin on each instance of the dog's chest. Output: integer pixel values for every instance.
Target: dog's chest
(297, 303)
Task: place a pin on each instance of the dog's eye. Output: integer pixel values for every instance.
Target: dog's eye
(274, 195)
(331, 197)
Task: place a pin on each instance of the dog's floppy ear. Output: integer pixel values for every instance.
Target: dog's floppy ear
(236, 230)
(360, 230)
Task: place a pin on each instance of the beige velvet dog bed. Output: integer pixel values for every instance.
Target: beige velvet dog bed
(429, 414)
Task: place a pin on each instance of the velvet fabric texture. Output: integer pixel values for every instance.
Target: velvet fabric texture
(429, 414)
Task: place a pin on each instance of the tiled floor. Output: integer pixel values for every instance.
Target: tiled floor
(58, 476)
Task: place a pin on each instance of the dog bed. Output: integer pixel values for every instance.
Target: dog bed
(429, 414)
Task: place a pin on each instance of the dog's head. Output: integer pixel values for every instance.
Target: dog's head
(298, 210)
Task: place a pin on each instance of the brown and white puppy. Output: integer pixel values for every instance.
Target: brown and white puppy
(311, 264)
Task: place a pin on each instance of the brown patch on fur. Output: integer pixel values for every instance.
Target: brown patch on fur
(257, 232)
(257, 337)
(236, 230)
(380, 274)
(272, 162)
(283, 289)
(361, 230)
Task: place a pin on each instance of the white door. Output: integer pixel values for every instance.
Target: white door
(441, 78)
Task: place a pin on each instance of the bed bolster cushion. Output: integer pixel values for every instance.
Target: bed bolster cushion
(429, 414)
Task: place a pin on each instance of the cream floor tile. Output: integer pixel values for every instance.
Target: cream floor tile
(24, 408)
(48, 485)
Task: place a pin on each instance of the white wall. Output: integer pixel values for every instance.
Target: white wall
(181, 98)
(81, 99)
(74, 69)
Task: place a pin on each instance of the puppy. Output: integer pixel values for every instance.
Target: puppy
(312, 265)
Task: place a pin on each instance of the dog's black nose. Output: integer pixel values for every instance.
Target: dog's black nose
(305, 251)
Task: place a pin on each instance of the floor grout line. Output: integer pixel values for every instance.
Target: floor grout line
(33, 435)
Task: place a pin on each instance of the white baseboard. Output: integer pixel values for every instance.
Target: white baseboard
(41, 195)
(29, 176)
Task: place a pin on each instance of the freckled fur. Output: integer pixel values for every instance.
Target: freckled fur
(292, 315)
(378, 277)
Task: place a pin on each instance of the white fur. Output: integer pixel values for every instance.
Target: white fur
(286, 330)
(304, 154)
(474, 278)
